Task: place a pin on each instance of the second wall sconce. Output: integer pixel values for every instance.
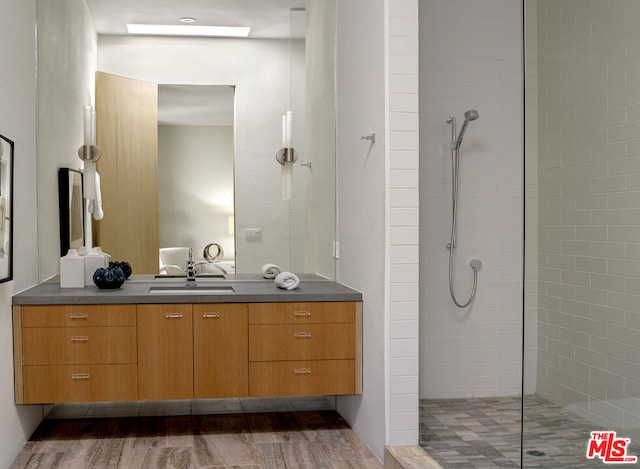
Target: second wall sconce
(286, 156)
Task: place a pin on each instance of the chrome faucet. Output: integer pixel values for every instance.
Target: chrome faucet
(191, 270)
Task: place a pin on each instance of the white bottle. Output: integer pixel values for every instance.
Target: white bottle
(72, 270)
(94, 259)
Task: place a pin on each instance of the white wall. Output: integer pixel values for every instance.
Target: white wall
(66, 65)
(402, 207)
(378, 210)
(470, 58)
(260, 71)
(589, 175)
(195, 213)
(18, 123)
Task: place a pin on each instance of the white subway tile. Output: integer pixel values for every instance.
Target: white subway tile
(403, 83)
(403, 9)
(403, 140)
(404, 273)
(404, 366)
(403, 26)
(403, 403)
(404, 198)
(403, 347)
(403, 121)
(407, 235)
(404, 178)
(403, 292)
(404, 217)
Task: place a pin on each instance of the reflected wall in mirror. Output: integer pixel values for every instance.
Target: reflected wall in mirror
(195, 144)
(6, 209)
(271, 73)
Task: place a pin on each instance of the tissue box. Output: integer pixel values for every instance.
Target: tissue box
(72, 270)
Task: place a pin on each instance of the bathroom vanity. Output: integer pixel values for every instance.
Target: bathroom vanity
(158, 340)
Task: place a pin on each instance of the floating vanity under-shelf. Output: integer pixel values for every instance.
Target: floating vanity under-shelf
(86, 344)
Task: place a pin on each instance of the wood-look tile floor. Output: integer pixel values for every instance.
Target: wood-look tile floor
(287, 439)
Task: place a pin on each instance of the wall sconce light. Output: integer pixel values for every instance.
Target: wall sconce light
(286, 156)
(89, 151)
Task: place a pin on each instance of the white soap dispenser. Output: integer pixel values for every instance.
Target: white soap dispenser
(72, 270)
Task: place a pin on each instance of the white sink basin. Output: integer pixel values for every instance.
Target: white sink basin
(192, 290)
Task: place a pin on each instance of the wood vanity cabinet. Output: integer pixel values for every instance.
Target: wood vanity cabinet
(83, 353)
(220, 350)
(303, 349)
(76, 353)
(165, 351)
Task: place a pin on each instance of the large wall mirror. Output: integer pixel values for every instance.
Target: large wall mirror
(286, 63)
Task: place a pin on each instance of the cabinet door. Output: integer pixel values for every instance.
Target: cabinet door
(79, 383)
(165, 351)
(220, 335)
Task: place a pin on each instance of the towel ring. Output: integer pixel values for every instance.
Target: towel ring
(207, 254)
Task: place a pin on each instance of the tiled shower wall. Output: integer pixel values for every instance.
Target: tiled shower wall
(589, 184)
(471, 58)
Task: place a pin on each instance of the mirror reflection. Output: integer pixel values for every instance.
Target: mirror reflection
(280, 67)
(195, 144)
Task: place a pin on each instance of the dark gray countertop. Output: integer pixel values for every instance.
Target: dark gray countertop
(246, 289)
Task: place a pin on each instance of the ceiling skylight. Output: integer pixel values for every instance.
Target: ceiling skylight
(188, 30)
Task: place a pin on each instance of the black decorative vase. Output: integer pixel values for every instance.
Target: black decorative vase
(124, 265)
(108, 277)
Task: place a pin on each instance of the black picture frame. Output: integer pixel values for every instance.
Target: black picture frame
(71, 205)
(7, 148)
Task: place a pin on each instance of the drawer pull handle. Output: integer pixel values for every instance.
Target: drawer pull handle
(79, 338)
(302, 313)
(79, 316)
(210, 315)
(174, 315)
(302, 335)
(302, 371)
(80, 376)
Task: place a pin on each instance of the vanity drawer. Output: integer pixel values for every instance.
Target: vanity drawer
(301, 342)
(301, 313)
(80, 383)
(301, 378)
(78, 345)
(78, 315)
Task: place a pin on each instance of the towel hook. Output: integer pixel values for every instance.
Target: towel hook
(370, 137)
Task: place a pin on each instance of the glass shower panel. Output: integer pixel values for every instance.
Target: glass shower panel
(582, 233)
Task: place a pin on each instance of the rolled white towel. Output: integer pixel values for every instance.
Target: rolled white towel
(270, 270)
(287, 280)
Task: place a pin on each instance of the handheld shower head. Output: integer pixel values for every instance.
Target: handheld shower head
(469, 116)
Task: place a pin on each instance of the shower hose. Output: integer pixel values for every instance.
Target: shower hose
(474, 263)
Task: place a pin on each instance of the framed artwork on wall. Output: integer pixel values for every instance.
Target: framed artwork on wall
(6, 209)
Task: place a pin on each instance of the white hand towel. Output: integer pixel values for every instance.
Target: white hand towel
(287, 281)
(97, 209)
(92, 190)
(270, 270)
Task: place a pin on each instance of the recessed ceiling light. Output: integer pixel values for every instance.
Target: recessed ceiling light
(187, 19)
(188, 30)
